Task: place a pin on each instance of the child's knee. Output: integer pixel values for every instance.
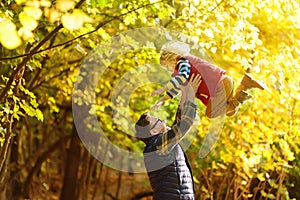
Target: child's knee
(228, 83)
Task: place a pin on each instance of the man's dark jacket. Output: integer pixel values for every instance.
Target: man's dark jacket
(170, 175)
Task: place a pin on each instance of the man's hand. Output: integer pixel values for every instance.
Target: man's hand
(189, 91)
(195, 81)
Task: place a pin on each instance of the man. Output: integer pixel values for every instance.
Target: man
(167, 166)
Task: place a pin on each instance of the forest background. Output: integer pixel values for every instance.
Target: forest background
(43, 45)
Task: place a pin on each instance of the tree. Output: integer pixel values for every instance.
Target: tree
(44, 44)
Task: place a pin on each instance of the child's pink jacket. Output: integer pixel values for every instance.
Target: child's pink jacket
(210, 75)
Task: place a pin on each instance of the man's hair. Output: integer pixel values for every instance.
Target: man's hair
(142, 129)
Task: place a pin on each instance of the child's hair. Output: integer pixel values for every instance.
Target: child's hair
(166, 56)
(173, 50)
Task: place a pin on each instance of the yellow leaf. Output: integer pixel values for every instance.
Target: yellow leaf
(45, 3)
(20, 1)
(75, 20)
(209, 33)
(213, 49)
(71, 22)
(25, 33)
(261, 176)
(65, 5)
(80, 14)
(34, 12)
(52, 14)
(196, 180)
(9, 37)
(33, 3)
(27, 21)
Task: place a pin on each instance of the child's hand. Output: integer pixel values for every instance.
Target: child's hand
(156, 92)
(156, 106)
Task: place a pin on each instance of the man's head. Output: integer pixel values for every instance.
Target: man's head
(171, 52)
(148, 126)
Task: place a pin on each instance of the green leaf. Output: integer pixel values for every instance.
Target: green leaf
(39, 115)
(34, 103)
(30, 111)
(26, 91)
(98, 3)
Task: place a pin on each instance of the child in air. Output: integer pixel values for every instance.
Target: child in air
(216, 88)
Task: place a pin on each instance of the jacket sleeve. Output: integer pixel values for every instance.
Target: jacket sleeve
(184, 70)
(168, 140)
(177, 116)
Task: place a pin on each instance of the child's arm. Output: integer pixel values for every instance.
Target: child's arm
(161, 90)
(168, 96)
(160, 101)
(173, 86)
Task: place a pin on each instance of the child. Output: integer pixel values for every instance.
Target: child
(216, 88)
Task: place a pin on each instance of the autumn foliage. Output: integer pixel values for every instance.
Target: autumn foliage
(45, 43)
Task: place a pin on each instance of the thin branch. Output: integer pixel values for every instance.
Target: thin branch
(44, 61)
(38, 84)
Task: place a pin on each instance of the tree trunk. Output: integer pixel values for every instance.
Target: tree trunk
(105, 191)
(4, 172)
(119, 185)
(14, 180)
(38, 164)
(84, 190)
(98, 182)
(69, 190)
